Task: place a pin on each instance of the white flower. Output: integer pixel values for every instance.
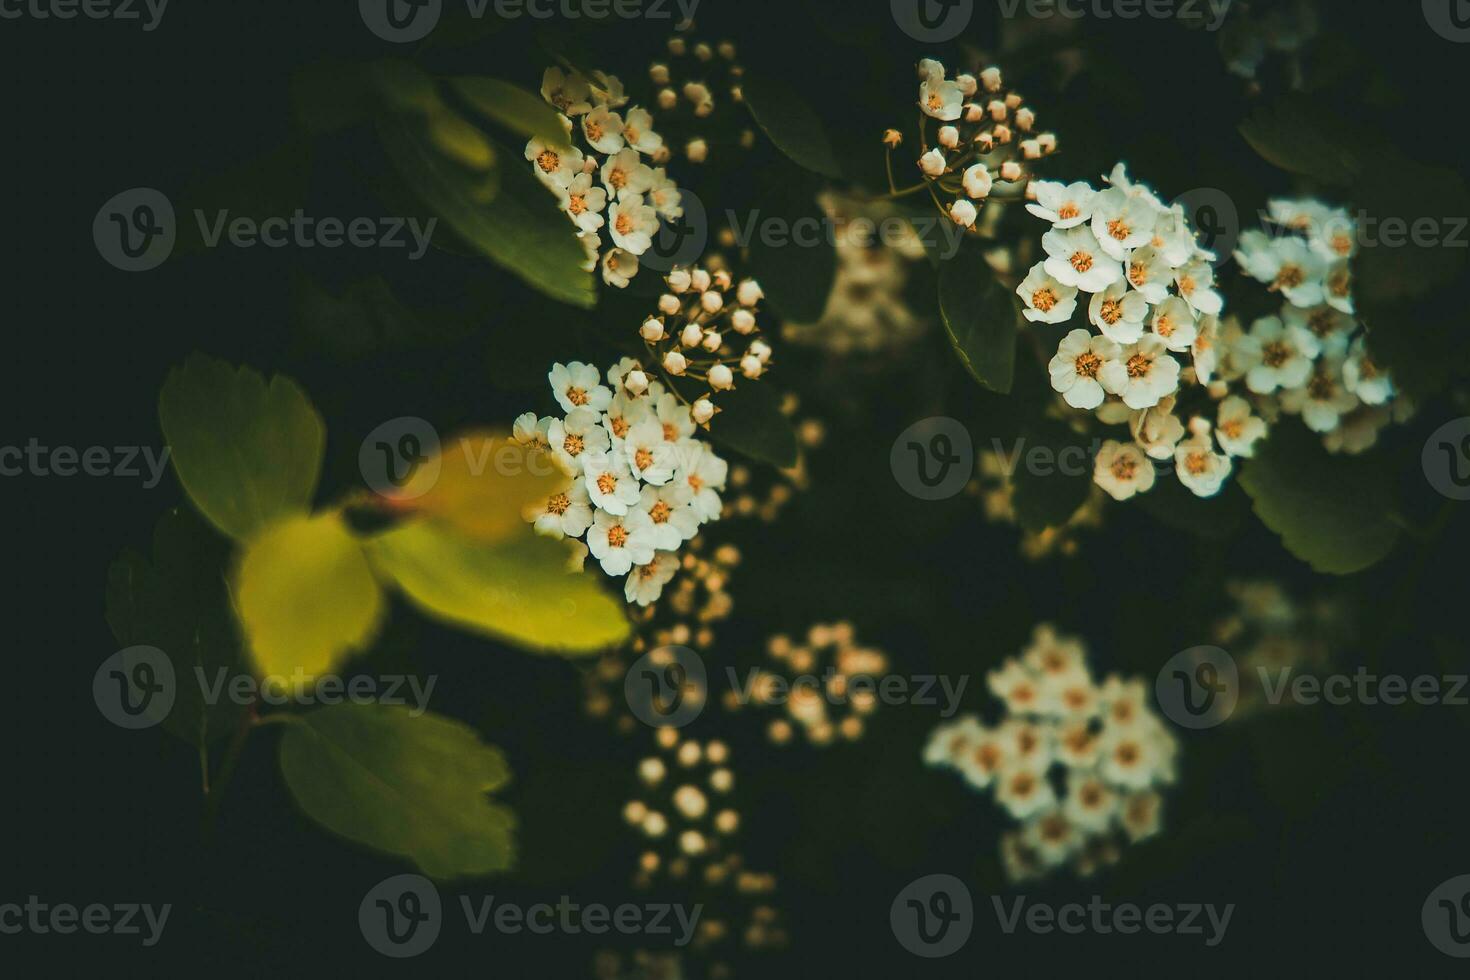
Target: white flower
(1122, 470)
(670, 509)
(1196, 282)
(1131, 758)
(1090, 803)
(619, 266)
(1142, 374)
(1339, 287)
(624, 174)
(567, 513)
(1236, 429)
(1024, 793)
(1122, 221)
(1017, 686)
(610, 484)
(1064, 205)
(632, 224)
(569, 93)
(619, 372)
(932, 163)
(977, 182)
(664, 195)
(583, 202)
(638, 131)
(1204, 353)
(1076, 259)
(949, 743)
(1174, 324)
(646, 582)
(1149, 273)
(982, 758)
(581, 432)
(1289, 266)
(1197, 465)
(1331, 327)
(1280, 356)
(704, 473)
(578, 385)
(1323, 399)
(1173, 238)
(1357, 432)
(1363, 378)
(940, 99)
(673, 416)
(1119, 313)
(1046, 299)
(963, 213)
(607, 90)
(1078, 365)
(603, 130)
(527, 430)
(1157, 430)
(624, 412)
(555, 163)
(591, 244)
(650, 458)
(620, 541)
(1140, 815)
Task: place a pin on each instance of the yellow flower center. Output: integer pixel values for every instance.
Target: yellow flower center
(1119, 229)
(548, 160)
(607, 483)
(660, 512)
(1044, 299)
(617, 536)
(573, 444)
(1081, 261)
(1275, 354)
(1068, 211)
(558, 504)
(1087, 364)
(576, 395)
(643, 459)
(1111, 311)
(1139, 365)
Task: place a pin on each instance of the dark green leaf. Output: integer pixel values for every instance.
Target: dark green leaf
(791, 123)
(512, 107)
(750, 421)
(792, 253)
(1047, 495)
(980, 317)
(1304, 137)
(1331, 511)
(179, 604)
(246, 451)
(411, 786)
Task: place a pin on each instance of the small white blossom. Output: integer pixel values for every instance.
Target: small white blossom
(578, 385)
(632, 224)
(567, 513)
(1078, 365)
(1046, 299)
(620, 541)
(1142, 374)
(610, 484)
(1122, 470)
(603, 130)
(646, 582)
(1236, 429)
(1064, 205)
(1076, 259)
(1119, 313)
(1279, 356)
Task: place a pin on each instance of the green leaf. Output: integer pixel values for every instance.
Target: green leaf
(179, 604)
(519, 590)
(306, 596)
(980, 317)
(1302, 136)
(505, 214)
(369, 318)
(405, 785)
(1046, 497)
(791, 123)
(246, 451)
(792, 253)
(1331, 511)
(750, 421)
(512, 107)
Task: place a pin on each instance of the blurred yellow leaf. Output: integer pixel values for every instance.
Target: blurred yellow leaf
(481, 485)
(518, 590)
(306, 595)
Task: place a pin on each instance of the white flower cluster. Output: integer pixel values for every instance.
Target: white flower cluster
(642, 484)
(699, 333)
(618, 191)
(1075, 761)
(1153, 304)
(1311, 359)
(984, 137)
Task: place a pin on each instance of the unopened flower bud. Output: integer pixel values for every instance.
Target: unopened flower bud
(703, 410)
(636, 382)
(721, 280)
(761, 350)
(668, 304)
(743, 321)
(674, 363)
(697, 150)
(997, 110)
(949, 137)
(658, 73)
(699, 279)
(721, 377)
(974, 113)
(691, 335)
(1031, 149)
(962, 213)
(892, 138)
(726, 50)
(932, 163)
(1010, 171)
(703, 51)
(712, 301)
(1002, 133)
(751, 366)
(1013, 101)
(985, 141)
(652, 330)
(749, 292)
(1048, 142)
(679, 280)
(1025, 119)
(967, 84)
(677, 46)
(667, 99)
(990, 78)
(978, 182)
(712, 342)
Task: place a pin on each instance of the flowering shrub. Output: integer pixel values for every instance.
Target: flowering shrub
(1076, 762)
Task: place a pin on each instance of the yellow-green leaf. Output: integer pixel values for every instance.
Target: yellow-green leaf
(246, 451)
(306, 595)
(518, 590)
(407, 785)
(513, 107)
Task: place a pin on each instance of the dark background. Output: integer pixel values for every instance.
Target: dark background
(1327, 827)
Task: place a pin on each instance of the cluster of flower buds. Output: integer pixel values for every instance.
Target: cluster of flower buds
(985, 135)
(683, 808)
(706, 329)
(692, 81)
